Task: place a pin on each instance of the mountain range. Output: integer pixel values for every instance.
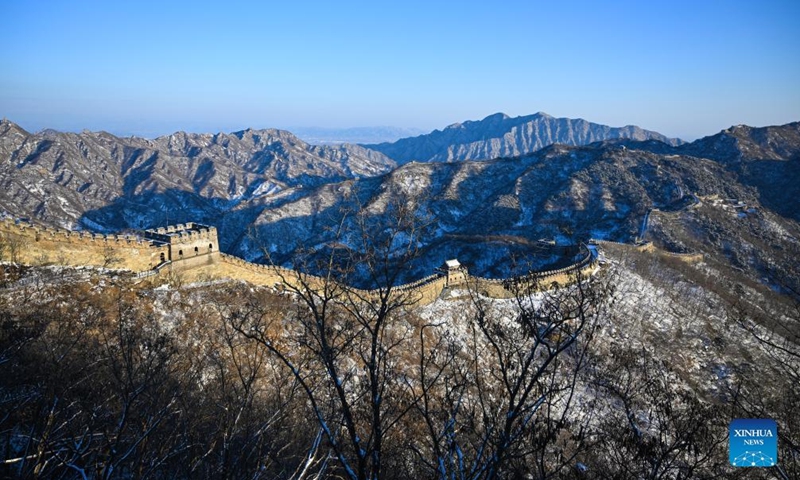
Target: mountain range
(481, 193)
(499, 135)
(58, 177)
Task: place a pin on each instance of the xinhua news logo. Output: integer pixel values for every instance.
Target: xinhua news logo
(753, 442)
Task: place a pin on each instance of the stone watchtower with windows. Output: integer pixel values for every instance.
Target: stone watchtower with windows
(188, 245)
(456, 273)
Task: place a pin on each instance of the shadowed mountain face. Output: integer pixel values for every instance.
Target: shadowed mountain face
(767, 159)
(566, 194)
(499, 135)
(270, 194)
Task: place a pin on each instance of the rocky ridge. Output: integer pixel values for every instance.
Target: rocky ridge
(58, 177)
(499, 135)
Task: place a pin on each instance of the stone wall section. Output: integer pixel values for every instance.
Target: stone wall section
(506, 288)
(171, 251)
(35, 245)
(649, 247)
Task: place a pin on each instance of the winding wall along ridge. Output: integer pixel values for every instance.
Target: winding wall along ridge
(26, 243)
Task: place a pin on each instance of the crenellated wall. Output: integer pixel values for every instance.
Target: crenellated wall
(649, 247)
(238, 269)
(190, 250)
(641, 246)
(506, 288)
(426, 293)
(37, 245)
(686, 257)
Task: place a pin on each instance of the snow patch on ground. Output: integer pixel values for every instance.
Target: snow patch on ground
(266, 188)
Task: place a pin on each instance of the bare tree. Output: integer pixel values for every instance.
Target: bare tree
(344, 347)
(500, 401)
(111, 257)
(106, 386)
(662, 430)
(525, 368)
(10, 248)
(250, 420)
(775, 392)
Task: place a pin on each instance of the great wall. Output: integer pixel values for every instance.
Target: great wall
(191, 251)
(647, 246)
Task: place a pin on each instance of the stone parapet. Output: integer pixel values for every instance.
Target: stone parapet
(190, 250)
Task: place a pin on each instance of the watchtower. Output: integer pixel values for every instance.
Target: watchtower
(190, 243)
(456, 273)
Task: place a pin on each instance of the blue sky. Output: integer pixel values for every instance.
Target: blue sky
(685, 69)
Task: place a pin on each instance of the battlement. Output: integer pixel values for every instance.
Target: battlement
(181, 233)
(185, 240)
(193, 249)
(27, 243)
(38, 232)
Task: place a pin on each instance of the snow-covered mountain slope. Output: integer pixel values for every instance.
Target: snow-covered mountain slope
(58, 177)
(562, 194)
(732, 195)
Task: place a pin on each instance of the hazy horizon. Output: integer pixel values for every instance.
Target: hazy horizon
(301, 131)
(683, 69)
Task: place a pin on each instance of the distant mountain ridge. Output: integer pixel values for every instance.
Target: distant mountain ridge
(499, 135)
(99, 181)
